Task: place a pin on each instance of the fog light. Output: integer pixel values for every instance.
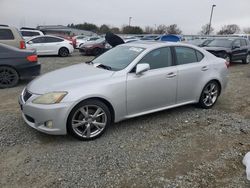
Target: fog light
(49, 124)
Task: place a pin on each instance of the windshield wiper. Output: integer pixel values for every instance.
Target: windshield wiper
(104, 67)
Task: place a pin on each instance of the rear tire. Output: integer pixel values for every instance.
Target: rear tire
(63, 52)
(8, 77)
(247, 59)
(209, 95)
(88, 120)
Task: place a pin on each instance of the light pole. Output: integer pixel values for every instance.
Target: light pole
(209, 27)
(129, 21)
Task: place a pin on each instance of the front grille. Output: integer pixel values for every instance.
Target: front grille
(26, 95)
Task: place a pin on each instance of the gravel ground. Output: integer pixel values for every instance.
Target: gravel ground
(182, 147)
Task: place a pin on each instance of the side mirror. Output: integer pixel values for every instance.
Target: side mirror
(236, 46)
(140, 68)
(30, 42)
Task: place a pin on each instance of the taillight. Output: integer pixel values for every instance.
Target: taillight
(22, 45)
(227, 64)
(32, 58)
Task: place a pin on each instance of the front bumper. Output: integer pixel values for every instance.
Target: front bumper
(37, 116)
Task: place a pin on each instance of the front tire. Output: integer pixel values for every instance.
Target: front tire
(209, 95)
(88, 120)
(63, 52)
(8, 77)
(247, 59)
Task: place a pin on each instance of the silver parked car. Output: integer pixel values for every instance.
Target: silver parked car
(130, 80)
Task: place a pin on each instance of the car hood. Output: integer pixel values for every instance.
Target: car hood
(215, 48)
(67, 78)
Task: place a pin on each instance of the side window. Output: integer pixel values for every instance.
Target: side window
(52, 39)
(243, 42)
(186, 55)
(38, 40)
(159, 58)
(29, 33)
(6, 34)
(199, 55)
(237, 43)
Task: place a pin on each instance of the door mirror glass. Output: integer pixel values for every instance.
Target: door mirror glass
(142, 67)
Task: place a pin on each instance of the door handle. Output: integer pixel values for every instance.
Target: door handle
(171, 75)
(205, 68)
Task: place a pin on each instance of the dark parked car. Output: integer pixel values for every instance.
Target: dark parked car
(95, 48)
(231, 49)
(16, 64)
(101, 45)
(200, 42)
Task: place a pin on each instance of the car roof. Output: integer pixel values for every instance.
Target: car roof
(156, 44)
(31, 30)
(46, 36)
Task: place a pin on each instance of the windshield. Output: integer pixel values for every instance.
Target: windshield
(220, 43)
(119, 57)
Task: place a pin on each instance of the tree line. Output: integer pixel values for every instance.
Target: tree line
(160, 29)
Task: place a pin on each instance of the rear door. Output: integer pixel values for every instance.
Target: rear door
(52, 45)
(238, 53)
(190, 70)
(155, 88)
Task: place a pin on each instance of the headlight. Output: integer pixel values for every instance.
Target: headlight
(50, 98)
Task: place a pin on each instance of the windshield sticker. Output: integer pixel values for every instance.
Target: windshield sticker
(135, 49)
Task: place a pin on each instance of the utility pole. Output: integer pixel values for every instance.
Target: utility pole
(129, 21)
(210, 22)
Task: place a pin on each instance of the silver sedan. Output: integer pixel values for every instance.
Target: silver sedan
(129, 80)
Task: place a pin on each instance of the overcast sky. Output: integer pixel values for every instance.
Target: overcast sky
(190, 15)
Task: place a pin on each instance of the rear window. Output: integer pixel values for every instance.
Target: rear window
(6, 34)
(29, 33)
(185, 55)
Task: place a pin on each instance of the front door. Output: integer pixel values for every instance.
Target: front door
(155, 88)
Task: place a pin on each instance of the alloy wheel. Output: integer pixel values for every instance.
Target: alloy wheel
(63, 52)
(210, 94)
(89, 121)
(8, 77)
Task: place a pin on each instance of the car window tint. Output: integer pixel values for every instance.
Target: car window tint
(199, 55)
(185, 55)
(243, 42)
(237, 43)
(6, 34)
(29, 33)
(52, 39)
(38, 40)
(158, 58)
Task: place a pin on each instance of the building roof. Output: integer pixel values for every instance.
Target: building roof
(61, 28)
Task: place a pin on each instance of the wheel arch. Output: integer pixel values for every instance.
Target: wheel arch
(62, 48)
(217, 81)
(6, 65)
(105, 101)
